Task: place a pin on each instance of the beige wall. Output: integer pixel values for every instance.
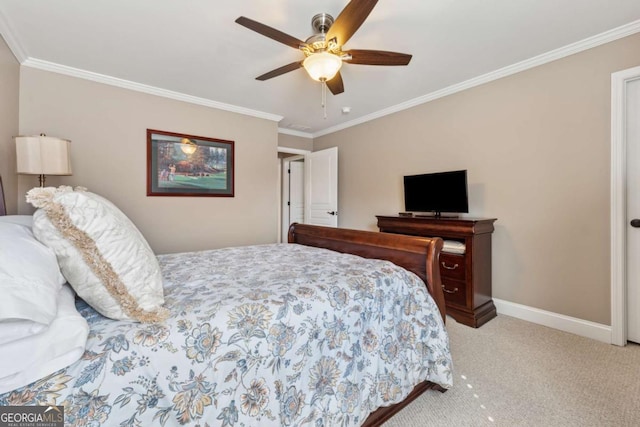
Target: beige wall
(107, 126)
(536, 145)
(9, 87)
(297, 142)
(537, 149)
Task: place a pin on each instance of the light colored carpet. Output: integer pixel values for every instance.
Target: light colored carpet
(514, 373)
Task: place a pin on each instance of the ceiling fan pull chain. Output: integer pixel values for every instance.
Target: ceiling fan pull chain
(324, 98)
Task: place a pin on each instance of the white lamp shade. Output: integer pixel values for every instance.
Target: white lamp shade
(322, 66)
(43, 155)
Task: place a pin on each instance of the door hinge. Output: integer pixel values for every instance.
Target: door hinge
(288, 203)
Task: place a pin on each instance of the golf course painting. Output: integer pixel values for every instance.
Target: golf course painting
(187, 165)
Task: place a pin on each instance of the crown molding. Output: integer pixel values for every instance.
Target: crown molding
(139, 87)
(588, 43)
(7, 33)
(295, 133)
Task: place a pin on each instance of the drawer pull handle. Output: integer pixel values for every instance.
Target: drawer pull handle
(449, 268)
(448, 291)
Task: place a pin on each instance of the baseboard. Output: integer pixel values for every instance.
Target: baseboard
(561, 322)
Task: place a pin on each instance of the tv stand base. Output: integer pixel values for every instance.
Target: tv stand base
(437, 216)
(427, 215)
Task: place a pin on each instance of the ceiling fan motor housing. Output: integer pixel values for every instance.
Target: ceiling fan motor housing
(318, 41)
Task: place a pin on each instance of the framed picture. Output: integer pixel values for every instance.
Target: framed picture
(187, 165)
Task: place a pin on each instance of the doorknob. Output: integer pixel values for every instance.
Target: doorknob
(635, 223)
(336, 213)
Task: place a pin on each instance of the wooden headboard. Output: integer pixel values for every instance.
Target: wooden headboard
(3, 207)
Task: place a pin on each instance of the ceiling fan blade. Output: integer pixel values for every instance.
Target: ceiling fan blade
(349, 20)
(377, 57)
(279, 71)
(335, 85)
(272, 33)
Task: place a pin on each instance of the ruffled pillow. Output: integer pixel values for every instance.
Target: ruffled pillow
(101, 253)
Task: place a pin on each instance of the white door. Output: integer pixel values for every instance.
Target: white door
(633, 210)
(321, 187)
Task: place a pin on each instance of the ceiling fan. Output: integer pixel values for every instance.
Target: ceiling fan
(323, 50)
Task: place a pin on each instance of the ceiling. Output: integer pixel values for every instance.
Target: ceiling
(196, 50)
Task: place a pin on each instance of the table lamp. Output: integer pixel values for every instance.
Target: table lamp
(43, 155)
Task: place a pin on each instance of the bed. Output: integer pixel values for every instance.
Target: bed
(336, 327)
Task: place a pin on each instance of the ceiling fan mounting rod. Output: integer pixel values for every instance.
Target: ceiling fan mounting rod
(321, 22)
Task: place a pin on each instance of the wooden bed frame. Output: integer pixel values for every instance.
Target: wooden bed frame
(416, 254)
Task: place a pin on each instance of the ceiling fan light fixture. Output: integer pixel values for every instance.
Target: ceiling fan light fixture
(322, 66)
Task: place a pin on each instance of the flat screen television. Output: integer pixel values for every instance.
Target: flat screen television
(436, 192)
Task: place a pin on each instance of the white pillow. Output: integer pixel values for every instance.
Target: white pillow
(15, 329)
(101, 253)
(36, 356)
(18, 219)
(30, 280)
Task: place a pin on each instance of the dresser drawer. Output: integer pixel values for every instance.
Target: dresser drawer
(455, 292)
(452, 266)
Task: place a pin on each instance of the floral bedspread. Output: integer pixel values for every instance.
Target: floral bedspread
(262, 335)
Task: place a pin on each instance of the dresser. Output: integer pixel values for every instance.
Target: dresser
(466, 277)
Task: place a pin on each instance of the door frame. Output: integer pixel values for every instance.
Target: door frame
(283, 188)
(619, 82)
